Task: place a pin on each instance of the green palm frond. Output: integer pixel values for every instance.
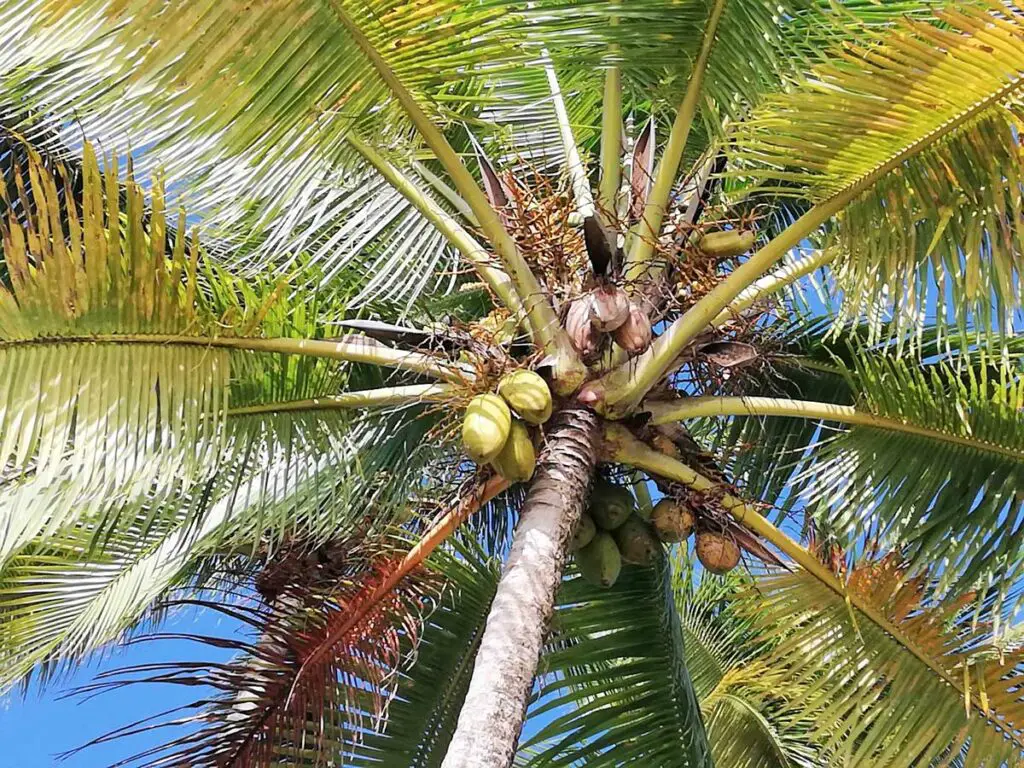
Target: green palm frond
(875, 701)
(74, 592)
(923, 154)
(271, 140)
(946, 485)
(616, 688)
(745, 703)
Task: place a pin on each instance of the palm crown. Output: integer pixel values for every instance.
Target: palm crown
(811, 214)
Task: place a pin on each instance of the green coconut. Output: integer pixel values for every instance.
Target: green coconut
(584, 533)
(527, 394)
(517, 459)
(600, 562)
(486, 427)
(637, 543)
(610, 504)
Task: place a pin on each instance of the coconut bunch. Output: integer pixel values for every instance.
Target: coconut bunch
(606, 310)
(611, 532)
(496, 428)
(673, 521)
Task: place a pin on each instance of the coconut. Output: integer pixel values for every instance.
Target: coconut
(577, 325)
(637, 544)
(609, 308)
(610, 504)
(528, 395)
(584, 533)
(728, 243)
(634, 335)
(671, 520)
(517, 459)
(600, 562)
(486, 427)
(717, 552)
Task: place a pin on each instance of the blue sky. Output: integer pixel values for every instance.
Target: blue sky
(38, 727)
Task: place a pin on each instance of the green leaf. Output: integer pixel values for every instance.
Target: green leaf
(616, 688)
(928, 153)
(876, 701)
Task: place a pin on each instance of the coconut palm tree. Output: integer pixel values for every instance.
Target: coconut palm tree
(762, 259)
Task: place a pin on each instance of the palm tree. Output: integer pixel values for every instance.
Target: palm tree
(815, 205)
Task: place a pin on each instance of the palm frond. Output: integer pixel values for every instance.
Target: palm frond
(616, 688)
(272, 705)
(875, 703)
(72, 593)
(948, 492)
(928, 155)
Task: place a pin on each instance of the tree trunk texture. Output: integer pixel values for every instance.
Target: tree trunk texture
(492, 715)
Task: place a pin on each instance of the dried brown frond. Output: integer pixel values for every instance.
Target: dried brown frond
(319, 662)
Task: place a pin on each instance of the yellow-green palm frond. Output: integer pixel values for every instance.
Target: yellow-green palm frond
(912, 136)
(114, 393)
(935, 698)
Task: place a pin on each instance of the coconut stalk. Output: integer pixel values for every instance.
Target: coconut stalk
(495, 706)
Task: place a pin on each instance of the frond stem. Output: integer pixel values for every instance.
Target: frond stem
(479, 495)
(352, 349)
(611, 138)
(773, 283)
(697, 407)
(454, 232)
(577, 173)
(637, 261)
(366, 398)
(547, 331)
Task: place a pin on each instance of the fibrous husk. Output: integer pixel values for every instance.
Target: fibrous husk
(717, 552)
(517, 459)
(600, 561)
(728, 243)
(610, 504)
(663, 444)
(581, 332)
(672, 521)
(584, 533)
(485, 427)
(637, 543)
(528, 395)
(634, 335)
(609, 307)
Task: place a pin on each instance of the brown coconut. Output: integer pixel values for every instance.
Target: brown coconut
(717, 552)
(672, 521)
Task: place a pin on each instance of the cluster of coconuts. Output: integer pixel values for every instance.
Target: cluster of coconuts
(491, 434)
(611, 532)
(674, 522)
(607, 309)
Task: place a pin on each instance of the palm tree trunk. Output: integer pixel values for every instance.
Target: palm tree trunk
(492, 715)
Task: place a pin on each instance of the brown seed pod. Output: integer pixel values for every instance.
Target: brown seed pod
(634, 335)
(609, 307)
(577, 324)
(717, 552)
(672, 521)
